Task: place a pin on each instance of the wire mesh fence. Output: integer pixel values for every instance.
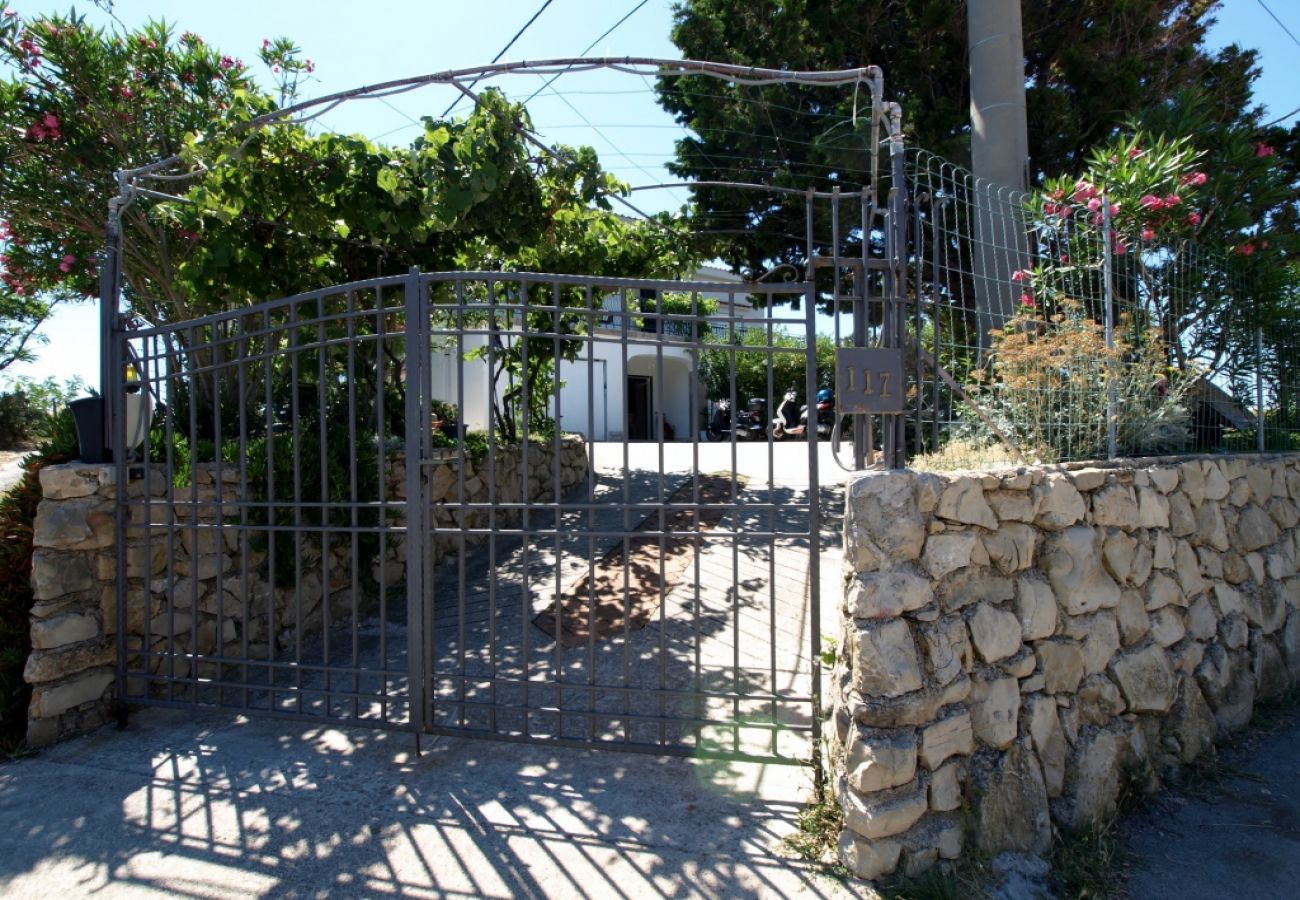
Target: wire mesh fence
(1049, 333)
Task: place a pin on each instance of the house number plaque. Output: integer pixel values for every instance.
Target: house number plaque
(869, 380)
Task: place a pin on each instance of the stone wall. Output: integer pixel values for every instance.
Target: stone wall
(1018, 643)
(217, 597)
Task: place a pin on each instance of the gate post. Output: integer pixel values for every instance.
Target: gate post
(417, 510)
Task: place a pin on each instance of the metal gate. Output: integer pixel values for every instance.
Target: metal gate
(414, 503)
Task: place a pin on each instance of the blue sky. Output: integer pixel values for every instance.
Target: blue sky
(362, 43)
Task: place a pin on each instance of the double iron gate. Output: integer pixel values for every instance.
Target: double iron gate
(371, 503)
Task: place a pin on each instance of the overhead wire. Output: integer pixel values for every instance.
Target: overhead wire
(541, 9)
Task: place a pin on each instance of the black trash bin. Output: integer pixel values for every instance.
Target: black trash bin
(88, 413)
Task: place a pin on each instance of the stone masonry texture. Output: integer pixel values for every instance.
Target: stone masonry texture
(1021, 641)
(199, 589)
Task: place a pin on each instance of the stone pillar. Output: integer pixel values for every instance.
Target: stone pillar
(72, 666)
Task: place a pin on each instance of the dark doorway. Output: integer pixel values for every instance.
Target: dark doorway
(639, 411)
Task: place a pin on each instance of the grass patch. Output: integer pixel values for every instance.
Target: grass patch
(818, 832)
(961, 880)
(1089, 862)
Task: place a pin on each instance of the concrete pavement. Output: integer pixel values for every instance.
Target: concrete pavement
(181, 804)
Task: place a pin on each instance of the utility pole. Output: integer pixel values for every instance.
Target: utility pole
(999, 156)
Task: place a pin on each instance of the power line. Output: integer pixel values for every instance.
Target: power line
(1280, 23)
(1281, 118)
(541, 9)
(587, 50)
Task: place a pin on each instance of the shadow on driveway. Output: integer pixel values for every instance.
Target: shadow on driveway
(216, 805)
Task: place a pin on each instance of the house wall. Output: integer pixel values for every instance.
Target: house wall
(1016, 644)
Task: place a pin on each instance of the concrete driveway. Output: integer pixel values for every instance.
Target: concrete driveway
(190, 805)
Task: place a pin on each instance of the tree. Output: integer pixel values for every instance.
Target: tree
(1089, 65)
(78, 105)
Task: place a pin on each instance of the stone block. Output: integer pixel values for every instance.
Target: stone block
(1255, 530)
(974, 585)
(948, 737)
(59, 631)
(995, 633)
(1145, 679)
(82, 524)
(1187, 571)
(882, 523)
(1099, 634)
(1115, 506)
(1271, 675)
(1011, 811)
(888, 594)
(868, 859)
(885, 813)
(917, 708)
(1011, 547)
(56, 575)
(1093, 778)
(1035, 609)
(948, 552)
(1167, 626)
(1182, 521)
(1211, 528)
(945, 787)
(994, 711)
(1163, 478)
(1131, 617)
(71, 480)
(1062, 665)
(56, 699)
(1260, 479)
(1073, 564)
(1059, 503)
(885, 662)
(877, 759)
(1162, 591)
(52, 665)
(963, 501)
(1012, 506)
(947, 648)
(1049, 741)
(1202, 622)
(1153, 509)
(1098, 701)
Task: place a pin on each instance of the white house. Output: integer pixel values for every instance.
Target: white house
(632, 381)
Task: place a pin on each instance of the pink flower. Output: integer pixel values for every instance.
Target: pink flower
(10, 14)
(266, 43)
(1263, 245)
(1095, 218)
(1018, 275)
(311, 66)
(1148, 233)
(1194, 178)
(1193, 218)
(1114, 209)
(1027, 300)
(275, 69)
(1120, 247)
(51, 121)
(1084, 192)
(1135, 153)
(1065, 259)
(1094, 204)
(125, 92)
(1049, 209)
(1064, 211)
(1151, 201)
(1173, 200)
(226, 62)
(66, 264)
(1262, 150)
(1246, 249)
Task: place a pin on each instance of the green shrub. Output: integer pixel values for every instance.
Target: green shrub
(17, 514)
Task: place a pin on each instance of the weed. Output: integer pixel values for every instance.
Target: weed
(819, 825)
(1088, 862)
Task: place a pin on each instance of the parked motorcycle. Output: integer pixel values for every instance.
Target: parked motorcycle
(747, 425)
(825, 413)
(790, 420)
